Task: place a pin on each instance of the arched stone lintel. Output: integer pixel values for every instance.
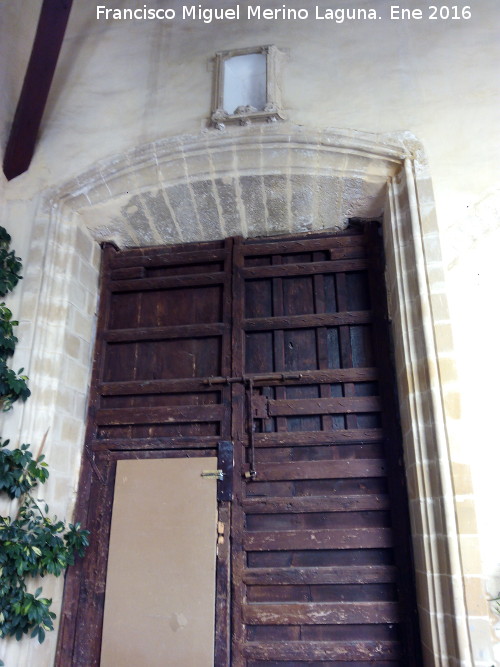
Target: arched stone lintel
(250, 181)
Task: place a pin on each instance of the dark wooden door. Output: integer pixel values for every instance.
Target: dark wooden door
(321, 559)
(164, 327)
(281, 346)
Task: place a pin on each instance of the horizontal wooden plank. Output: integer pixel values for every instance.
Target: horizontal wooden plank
(306, 504)
(333, 375)
(148, 257)
(308, 321)
(164, 333)
(304, 377)
(142, 387)
(310, 650)
(346, 468)
(322, 613)
(304, 269)
(160, 415)
(321, 406)
(283, 576)
(318, 438)
(173, 443)
(128, 273)
(218, 383)
(252, 248)
(335, 538)
(169, 282)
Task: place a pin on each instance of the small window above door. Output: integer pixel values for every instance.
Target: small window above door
(246, 86)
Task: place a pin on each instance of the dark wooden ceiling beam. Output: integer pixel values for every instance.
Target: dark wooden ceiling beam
(35, 91)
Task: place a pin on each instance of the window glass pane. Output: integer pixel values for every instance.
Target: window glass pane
(245, 82)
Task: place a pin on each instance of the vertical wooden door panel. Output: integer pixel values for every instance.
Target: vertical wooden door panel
(318, 516)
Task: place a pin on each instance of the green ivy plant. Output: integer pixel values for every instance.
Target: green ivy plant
(32, 544)
(10, 265)
(13, 386)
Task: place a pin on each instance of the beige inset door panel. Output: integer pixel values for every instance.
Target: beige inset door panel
(160, 588)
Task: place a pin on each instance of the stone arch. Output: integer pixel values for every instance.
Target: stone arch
(264, 181)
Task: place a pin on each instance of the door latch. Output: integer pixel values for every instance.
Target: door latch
(224, 473)
(213, 474)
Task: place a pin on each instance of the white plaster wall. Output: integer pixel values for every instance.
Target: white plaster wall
(123, 83)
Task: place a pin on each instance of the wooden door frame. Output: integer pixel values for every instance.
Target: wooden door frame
(81, 631)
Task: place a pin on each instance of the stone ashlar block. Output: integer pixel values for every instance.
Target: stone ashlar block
(72, 345)
(75, 374)
(466, 516)
(88, 277)
(462, 479)
(84, 244)
(159, 212)
(252, 195)
(228, 201)
(303, 202)
(82, 325)
(198, 166)
(208, 212)
(277, 196)
(134, 212)
(328, 204)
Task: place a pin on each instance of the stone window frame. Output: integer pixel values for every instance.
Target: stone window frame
(272, 111)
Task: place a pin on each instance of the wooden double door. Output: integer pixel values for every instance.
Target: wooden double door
(273, 355)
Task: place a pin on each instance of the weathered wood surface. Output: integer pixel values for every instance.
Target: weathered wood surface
(284, 270)
(307, 504)
(141, 387)
(341, 538)
(185, 413)
(318, 438)
(146, 284)
(316, 529)
(319, 406)
(154, 444)
(307, 321)
(321, 613)
(310, 650)
(308, 245)
(164, 333)
(322, 469)
(150, 257)
(128, 273)
(283, 576)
